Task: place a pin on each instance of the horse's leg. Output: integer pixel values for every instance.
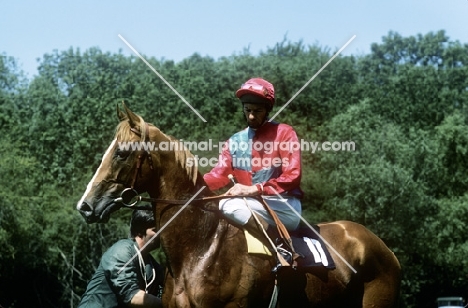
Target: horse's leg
(384, 290)
(174, 296)
(380, 293)
(292, 284)
(381, 274)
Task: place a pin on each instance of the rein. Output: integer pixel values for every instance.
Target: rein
(130, 198)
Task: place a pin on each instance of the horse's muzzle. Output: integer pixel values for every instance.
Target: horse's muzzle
(87, 212)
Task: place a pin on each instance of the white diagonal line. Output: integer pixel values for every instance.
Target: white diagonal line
(313, 77)
(162, 78)
(162, 228)
(311, 228)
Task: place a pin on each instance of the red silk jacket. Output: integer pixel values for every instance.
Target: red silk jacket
(269, 156)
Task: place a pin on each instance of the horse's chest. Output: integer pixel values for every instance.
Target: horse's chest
(212, 286)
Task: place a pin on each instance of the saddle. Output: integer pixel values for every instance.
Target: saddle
(309, 247)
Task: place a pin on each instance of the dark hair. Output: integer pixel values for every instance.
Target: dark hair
(141, 220)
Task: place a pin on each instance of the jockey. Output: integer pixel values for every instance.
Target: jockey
(265, 159)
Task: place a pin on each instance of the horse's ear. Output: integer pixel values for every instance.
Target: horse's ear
(132, 118)
(120, 114)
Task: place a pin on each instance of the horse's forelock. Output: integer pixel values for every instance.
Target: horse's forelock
(123, 131)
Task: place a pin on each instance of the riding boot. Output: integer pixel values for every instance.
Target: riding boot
(281, 247)
(284, 257)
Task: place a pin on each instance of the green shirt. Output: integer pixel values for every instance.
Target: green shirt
(115, 282)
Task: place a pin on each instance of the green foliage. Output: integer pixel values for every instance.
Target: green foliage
(403, 105)
(452, 140)
(415, 81)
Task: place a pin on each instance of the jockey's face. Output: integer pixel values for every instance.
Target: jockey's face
(256, 114)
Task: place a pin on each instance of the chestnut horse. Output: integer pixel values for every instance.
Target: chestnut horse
(208, 262)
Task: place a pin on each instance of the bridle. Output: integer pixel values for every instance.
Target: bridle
(129, 197)
(141, 156)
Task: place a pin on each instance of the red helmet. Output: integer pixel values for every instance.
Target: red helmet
(257, 90)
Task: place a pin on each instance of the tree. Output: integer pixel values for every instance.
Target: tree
(415, 81)
(403, 105)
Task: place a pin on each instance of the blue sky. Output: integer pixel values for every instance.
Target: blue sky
(174, 30)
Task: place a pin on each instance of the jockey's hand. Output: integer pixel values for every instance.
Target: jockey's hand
(242, 190)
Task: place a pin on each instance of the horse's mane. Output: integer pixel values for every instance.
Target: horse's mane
(181, 156)
(123, 133)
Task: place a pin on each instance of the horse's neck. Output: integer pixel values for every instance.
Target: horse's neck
(177, 183)
(178, 175)
(192, 228)
(192, 231)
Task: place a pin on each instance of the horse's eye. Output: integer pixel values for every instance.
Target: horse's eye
(121, 154)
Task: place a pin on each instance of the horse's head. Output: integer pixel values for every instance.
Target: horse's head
(125, 164)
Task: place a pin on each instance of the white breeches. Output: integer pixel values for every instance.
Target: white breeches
(236, 210)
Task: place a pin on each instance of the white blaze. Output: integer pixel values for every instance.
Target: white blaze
(90, 184)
